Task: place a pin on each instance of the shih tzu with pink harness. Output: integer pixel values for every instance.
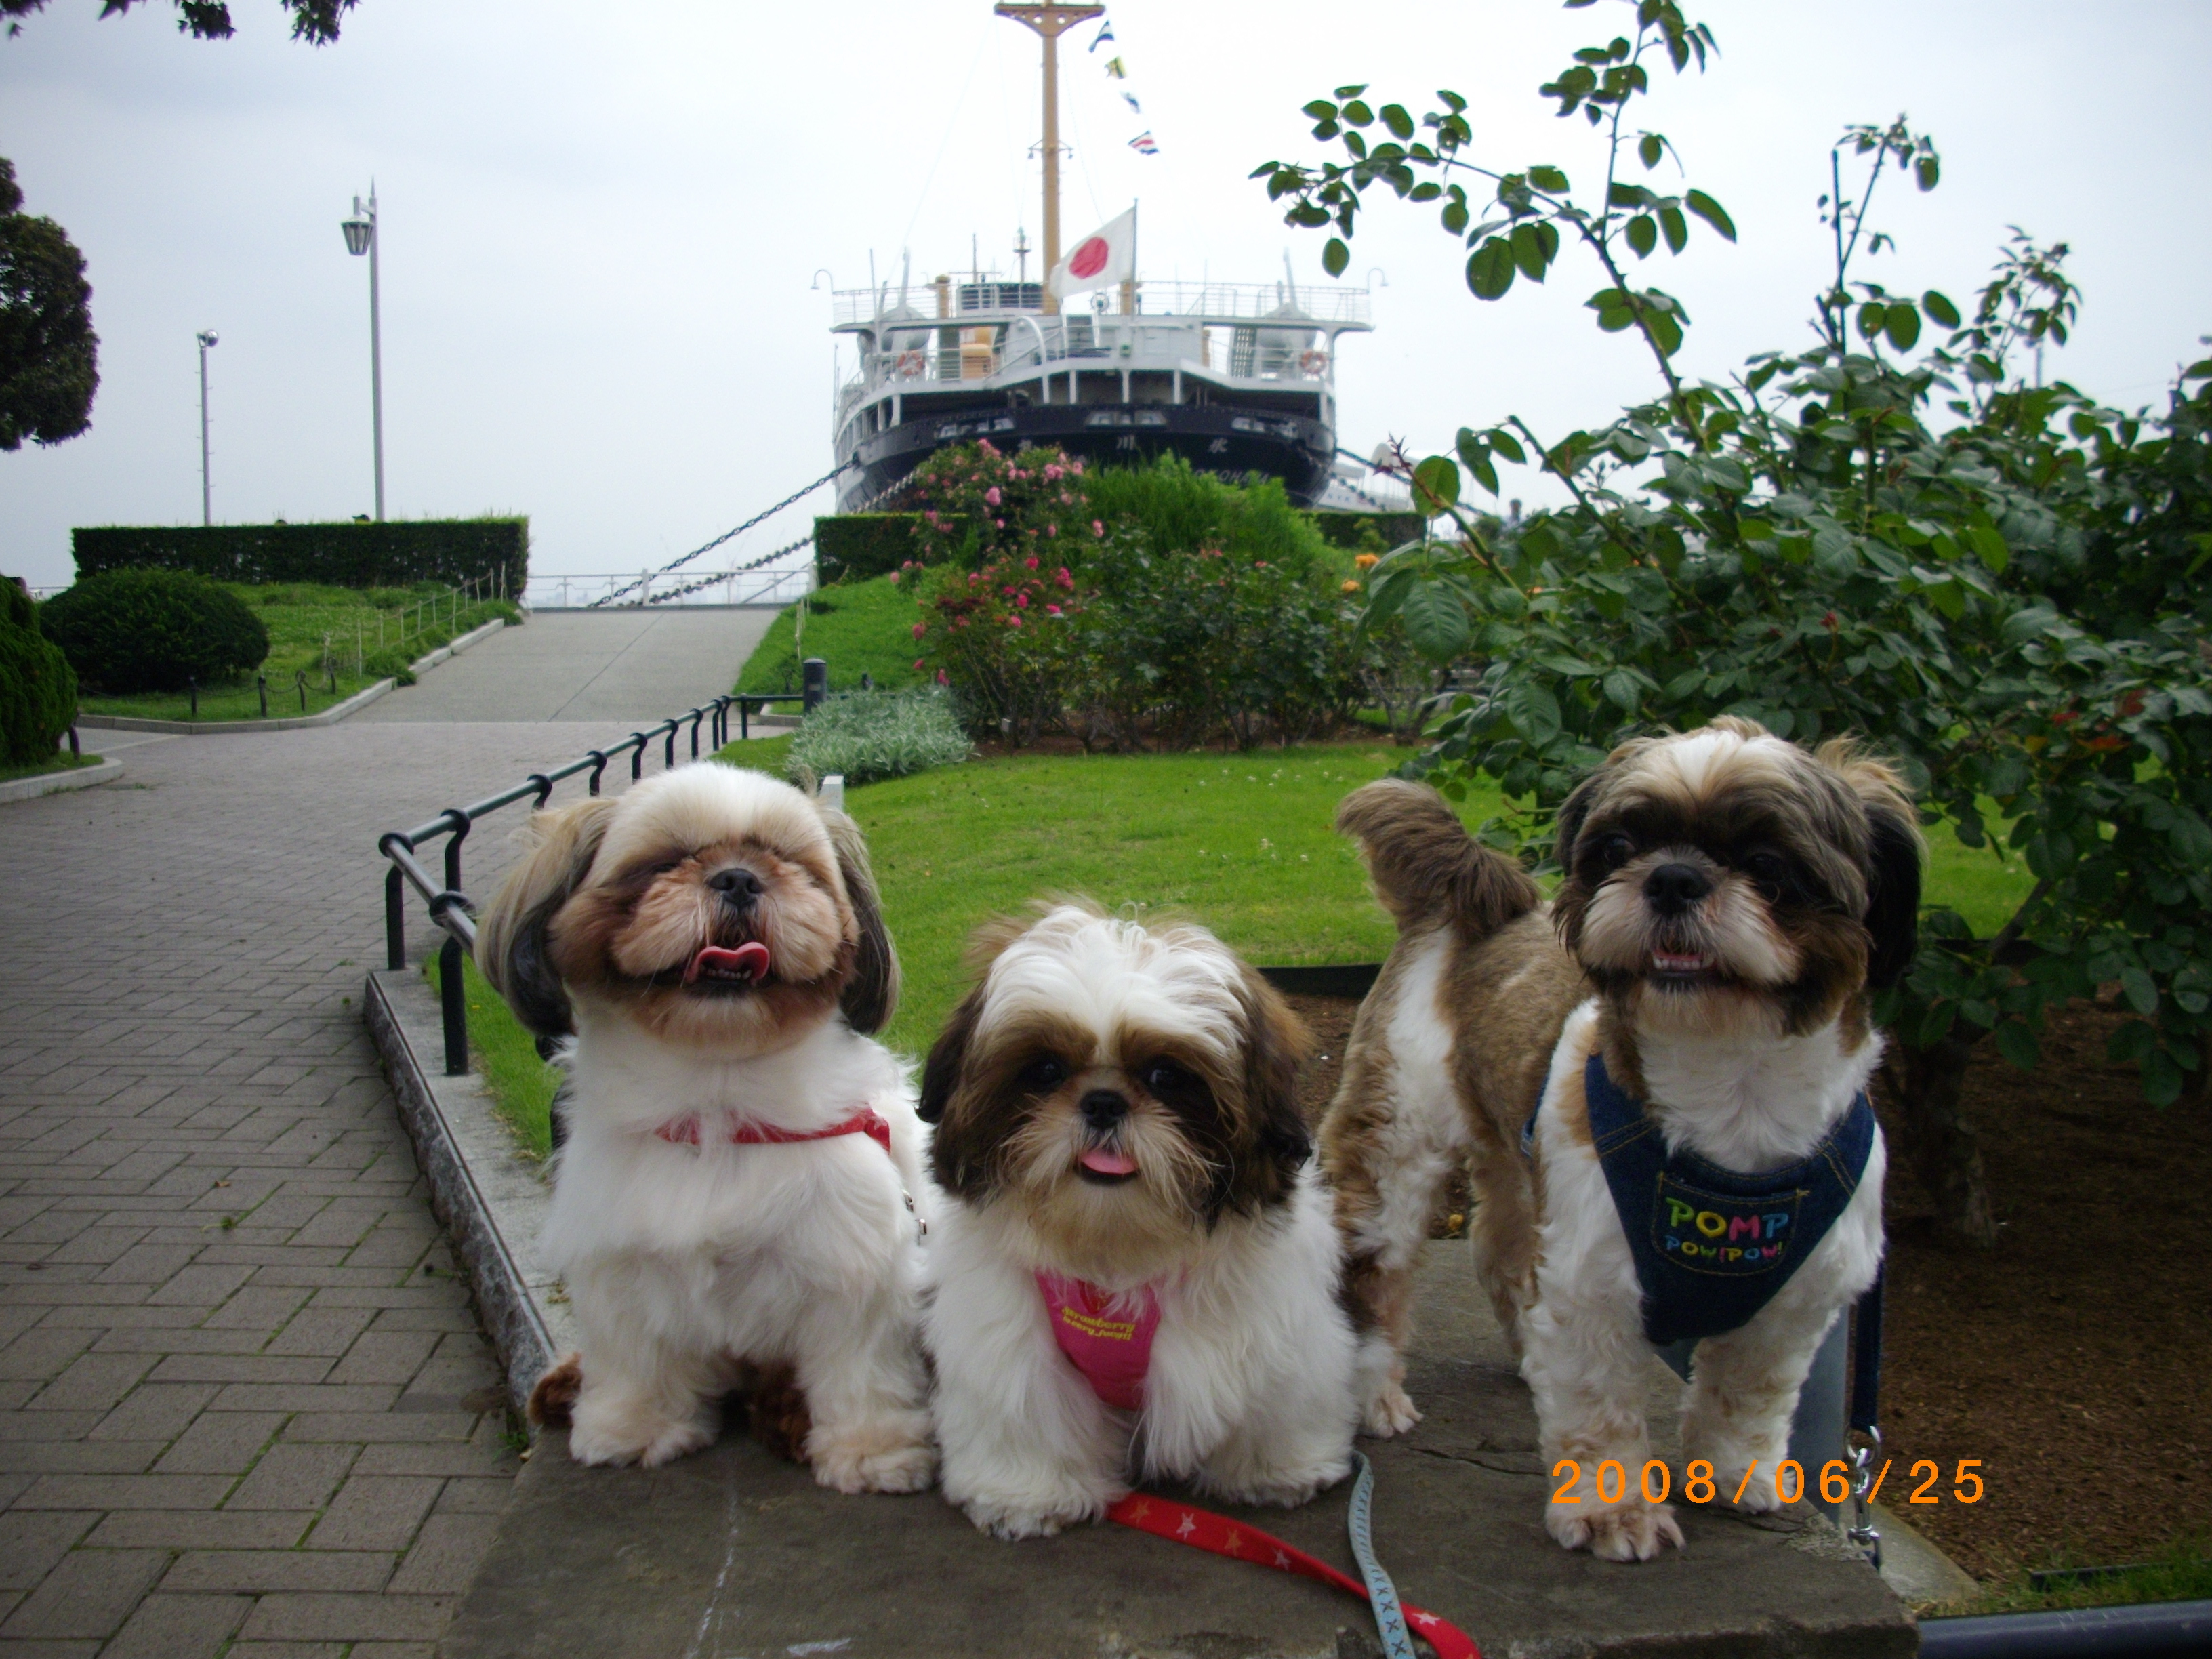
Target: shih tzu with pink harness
(1133, 1262)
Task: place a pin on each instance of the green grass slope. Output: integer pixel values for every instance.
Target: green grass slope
(862, 627)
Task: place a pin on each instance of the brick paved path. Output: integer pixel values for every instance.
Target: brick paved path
(242, 1399)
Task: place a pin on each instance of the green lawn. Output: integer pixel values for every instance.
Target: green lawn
(862, 627)
(505, 1056)
(299, 616)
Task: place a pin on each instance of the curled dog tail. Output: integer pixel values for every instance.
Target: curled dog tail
(1426, 868)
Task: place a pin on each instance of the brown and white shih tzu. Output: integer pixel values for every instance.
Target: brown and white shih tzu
(1657, 1083)
(1133, 1269)
(732, 1197)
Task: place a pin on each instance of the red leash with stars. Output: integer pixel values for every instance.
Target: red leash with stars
(1182, 1523)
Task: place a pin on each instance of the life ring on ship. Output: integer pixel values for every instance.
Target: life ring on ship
(909, 365)
(1313, 362)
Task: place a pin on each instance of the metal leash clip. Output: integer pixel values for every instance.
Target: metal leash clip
(1862, 1444)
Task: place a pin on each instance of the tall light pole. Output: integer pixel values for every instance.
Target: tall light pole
(361, 238)
(1050, 22)
(206, 338)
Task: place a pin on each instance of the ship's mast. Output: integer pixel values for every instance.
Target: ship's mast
(1050, 22)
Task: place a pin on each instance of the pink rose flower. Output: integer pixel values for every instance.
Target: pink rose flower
(1051, 610)
(1023, 600)
(993, 495)
(1098, 529)
(1052, 529)
(1001, 523)
(944, 679)
(919, 629)
(1031, 562)
(1013, 620)
(917, 665)
(1061, 576)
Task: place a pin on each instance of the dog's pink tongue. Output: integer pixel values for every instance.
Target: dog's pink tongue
(749, 959)
(1103, 1162)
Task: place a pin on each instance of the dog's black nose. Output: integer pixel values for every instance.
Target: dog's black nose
(1674, 888)
(737, 885)
(1102, 1108)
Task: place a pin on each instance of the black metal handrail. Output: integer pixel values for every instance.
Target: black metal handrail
(450, 909)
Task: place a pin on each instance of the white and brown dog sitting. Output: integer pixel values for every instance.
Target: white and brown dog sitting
(731, 1206)
(1657, 1083)
(1134, 1268)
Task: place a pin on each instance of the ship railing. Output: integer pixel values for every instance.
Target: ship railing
(1287, 352)
(681, 587)
(1225, 302)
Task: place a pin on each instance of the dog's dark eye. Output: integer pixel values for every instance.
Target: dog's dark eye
(1163, 1077)
(1768, 869)
(1614, 851)
(1042, 1077)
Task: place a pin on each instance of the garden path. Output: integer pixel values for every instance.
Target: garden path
(242, 1398)
(632, 665)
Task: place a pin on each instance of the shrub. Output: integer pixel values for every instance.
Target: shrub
(38, 691)
(1179, 509)
(978, 503)
(866, 735)
(440, 550)
(147, 630)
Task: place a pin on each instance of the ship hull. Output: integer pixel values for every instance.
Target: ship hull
(1219, 438)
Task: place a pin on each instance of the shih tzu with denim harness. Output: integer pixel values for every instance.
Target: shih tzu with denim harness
(731, 1209)
(1133, 1268)
(1658, 1085)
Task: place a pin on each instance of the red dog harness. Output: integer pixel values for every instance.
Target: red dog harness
(684, 1131)
(1108, 1338)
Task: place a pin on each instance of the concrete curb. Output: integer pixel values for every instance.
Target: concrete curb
(53, 783)
(490, 1198)
(329, 716)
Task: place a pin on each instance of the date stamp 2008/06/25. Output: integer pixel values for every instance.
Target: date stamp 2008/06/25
(1656, 1482)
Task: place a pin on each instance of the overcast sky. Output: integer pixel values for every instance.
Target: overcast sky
(601, 222)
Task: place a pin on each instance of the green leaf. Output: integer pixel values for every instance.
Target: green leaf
(1357, 114)
(1643, 235)
(1874, 316)
(1528, 251)
(1436, 480)
(1901, 321)
(1940, 310)
(2032, 623)
(1434, 621)
(1629, 196)
(1676, 228)
(1507, 445)
(1548, 179)
(1335, 257)
(2017, 1043)
(1926, 172)
(1395, 119)
(1650, 147)
(1384, 597)
(2141, 992)
(1711, 212)
(1490, 268)
(1534, 713)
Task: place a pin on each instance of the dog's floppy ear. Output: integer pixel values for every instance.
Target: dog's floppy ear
(948, 1057)
(1893, 917)
(1893, 858)
(1276, 1044)
(873, 991)
(511, 945)
(1574, 811)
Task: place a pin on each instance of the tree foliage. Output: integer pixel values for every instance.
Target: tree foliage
(315, 22)
(1892, 533)
(49, 355)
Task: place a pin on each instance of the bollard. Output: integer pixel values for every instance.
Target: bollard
(301, 677)
(817, 683)
(192, 685)
(453, 1003)
(395, 920)
(261, 684)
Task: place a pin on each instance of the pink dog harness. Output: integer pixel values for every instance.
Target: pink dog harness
(1108, 1338)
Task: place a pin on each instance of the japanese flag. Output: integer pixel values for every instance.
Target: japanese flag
(1101, 259)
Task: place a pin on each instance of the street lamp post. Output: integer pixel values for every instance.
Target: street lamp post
(206, 338)
(361, 238)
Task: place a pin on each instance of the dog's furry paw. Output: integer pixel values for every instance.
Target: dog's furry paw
(633, 1437)
(1011, 1520)
(1391, 1410)
(554, 1399)
(1631, 1532)
(1759, 1495)
(893, 1456)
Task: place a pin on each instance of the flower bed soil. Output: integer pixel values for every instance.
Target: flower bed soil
(2075, 1359)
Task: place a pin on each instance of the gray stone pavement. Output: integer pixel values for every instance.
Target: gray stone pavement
(633, 666)
(243, 1401)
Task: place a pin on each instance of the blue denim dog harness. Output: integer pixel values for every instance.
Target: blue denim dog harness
(1712, 1247)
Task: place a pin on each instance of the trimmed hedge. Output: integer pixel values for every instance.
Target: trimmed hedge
(855, 546)
(148, 630)
(1346, 529)
(450, 550)
(38, 691)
